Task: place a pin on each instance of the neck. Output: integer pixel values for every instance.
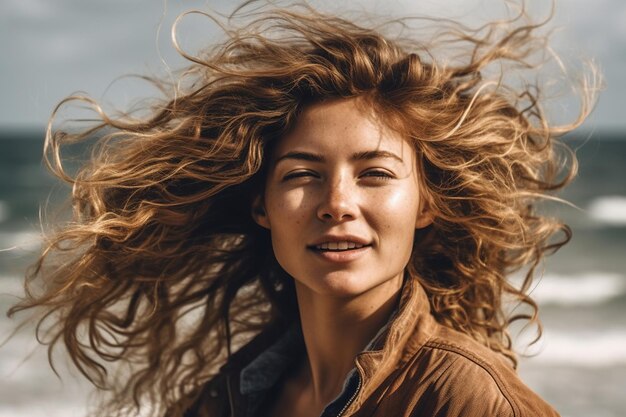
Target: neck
(335, 330)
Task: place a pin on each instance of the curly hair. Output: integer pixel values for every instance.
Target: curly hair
(162, 267)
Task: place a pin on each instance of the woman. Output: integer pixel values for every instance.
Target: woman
(320, 221)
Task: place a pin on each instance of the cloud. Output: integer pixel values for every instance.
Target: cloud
(77, 41)
(26, 9)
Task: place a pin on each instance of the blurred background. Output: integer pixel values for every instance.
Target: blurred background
(50, 49)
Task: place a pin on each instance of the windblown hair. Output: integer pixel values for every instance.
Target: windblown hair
(162, 267)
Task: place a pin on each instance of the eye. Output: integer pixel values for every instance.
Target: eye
(299, 174)
(378, 174)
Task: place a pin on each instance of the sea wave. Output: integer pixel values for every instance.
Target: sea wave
(610, 210)
(10, 286)
(40, 408)
(4, 211)
(20, 240)
(596, 348)
(588, 288)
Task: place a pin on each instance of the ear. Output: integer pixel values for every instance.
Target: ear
(425, 216)
(258, 212)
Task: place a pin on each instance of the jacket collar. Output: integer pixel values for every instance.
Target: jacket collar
(265, 370)
(407, 333)
(257, 366)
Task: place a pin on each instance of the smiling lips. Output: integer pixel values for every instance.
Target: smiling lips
(339, 246)
(340, 252)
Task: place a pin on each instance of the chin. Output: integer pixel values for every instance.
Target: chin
(342, 285)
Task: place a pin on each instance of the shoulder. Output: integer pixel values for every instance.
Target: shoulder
(458, 376)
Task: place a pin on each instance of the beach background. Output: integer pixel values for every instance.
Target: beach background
(61, 46)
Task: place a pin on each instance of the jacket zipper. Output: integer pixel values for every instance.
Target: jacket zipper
(358, 388)
(230, 397)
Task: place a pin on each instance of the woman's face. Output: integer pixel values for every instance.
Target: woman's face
(342, 201)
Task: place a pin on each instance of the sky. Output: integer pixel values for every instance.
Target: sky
(50, 49)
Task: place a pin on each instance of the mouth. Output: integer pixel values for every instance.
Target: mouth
(342, 246)
(340, 252)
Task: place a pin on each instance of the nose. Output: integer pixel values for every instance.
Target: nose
(338, 202)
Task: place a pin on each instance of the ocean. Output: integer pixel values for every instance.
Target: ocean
(579, 366)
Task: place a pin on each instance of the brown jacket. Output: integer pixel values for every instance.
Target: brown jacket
(415, 367)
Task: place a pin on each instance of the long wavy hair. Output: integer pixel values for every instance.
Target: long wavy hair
(162, 268)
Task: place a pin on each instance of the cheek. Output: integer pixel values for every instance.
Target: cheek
(287, 215)
(286, 212)
(399, 206)
(286, 206)
(397, 200)
(395, 214)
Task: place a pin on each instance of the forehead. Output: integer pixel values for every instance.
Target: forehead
(340, 127)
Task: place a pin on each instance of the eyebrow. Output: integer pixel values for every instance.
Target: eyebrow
(357, 156)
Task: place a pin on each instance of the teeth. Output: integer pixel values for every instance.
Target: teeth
(345, 245)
